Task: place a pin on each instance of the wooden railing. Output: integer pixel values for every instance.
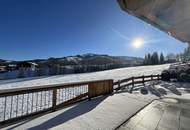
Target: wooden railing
(132, 81)
(20, 103)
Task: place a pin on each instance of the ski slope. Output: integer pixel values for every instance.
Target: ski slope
(114, 74)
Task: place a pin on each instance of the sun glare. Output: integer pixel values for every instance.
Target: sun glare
(137, 43)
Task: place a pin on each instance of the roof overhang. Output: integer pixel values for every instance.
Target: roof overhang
(170, 16)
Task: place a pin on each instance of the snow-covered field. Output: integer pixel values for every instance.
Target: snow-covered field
(115, 74)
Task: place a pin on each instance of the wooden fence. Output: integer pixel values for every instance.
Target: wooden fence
(19, 103)
(132, 81)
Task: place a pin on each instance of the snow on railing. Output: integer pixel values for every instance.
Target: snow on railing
(19, 103)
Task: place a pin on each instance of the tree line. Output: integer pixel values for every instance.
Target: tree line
(154, 59)
(185, 55)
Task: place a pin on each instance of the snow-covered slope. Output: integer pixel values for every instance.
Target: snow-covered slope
(109, 74)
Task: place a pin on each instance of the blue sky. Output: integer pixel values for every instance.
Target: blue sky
(55, 28)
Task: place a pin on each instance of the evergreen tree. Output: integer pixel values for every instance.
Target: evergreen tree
(154, 58)
(162, 58)
(146, 60)
(149, 62)
(186, 54)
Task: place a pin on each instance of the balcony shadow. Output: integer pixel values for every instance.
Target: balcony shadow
(162, 91)
(154, 91)
(172, 88)
(70, 114)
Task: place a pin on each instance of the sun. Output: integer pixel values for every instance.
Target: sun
(137, 43)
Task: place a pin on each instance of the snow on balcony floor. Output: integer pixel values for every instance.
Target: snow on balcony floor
(103, 113)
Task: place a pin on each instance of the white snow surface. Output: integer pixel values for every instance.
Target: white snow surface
(115, 74)
(103, 113)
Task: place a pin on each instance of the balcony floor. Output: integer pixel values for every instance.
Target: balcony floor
(164, 114)
(103, 113)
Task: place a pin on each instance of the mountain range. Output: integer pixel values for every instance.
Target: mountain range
(85, 59)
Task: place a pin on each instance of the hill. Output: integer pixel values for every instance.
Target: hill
(92, 59)
(85, 59)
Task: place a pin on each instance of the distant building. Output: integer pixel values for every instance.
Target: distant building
(3, 69)
(170, 58)
(27, 66)
(11, 67)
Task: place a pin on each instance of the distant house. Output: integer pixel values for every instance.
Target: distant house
(27, 66)
(11, 67)
(3, 69)
(170, 58)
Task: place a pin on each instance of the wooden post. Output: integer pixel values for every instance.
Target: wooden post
(133, 81)
(143, 79)
(158, 77)
(132, 85)
(89, 91)
(99, 88)
(54, 99)
(111, 86)
(119, 84)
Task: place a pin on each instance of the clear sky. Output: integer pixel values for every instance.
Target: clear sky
(55, 28)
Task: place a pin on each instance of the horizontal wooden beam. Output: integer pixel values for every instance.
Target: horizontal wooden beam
(16, 91)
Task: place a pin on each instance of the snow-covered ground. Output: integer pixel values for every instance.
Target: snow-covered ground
(115, 74)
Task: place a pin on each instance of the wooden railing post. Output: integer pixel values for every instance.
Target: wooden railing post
(132, 78)
(111, 86)
(158, 76)
(99, 88)
(151, 77)
(143, 79)
(119, 84)
(89, 92)
(133, 81)
(54, 99)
